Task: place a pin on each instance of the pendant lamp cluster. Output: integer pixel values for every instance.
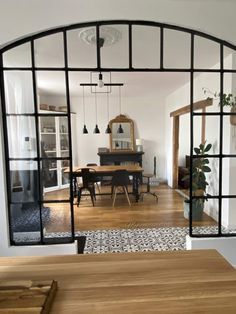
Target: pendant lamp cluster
(107, 85)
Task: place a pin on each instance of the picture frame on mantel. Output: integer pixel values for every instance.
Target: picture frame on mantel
(122, 141)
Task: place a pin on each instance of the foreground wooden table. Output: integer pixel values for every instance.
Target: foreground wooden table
(160, 282)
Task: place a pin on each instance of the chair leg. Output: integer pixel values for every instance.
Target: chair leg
(91, 195)
(114, 198)
(126, 192)
(79, 197)
(99, 191)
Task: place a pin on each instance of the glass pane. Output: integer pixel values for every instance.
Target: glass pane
(229, 176)
(49, 51)
(64, 139)
(229, 215)
(145, 46)
(24, 181)
(229, 135)
(21, 137)
(25, 222)
(205, 216)
(206, 53)
(212, 131)
(207, 85)
(81, 45)
(58, 223)
(51, 91)
(65, 175)
(229, 58)
(19, 92)
(115, 48)
(49, 174)
(18, 57)
(48, 137)
(176, 49)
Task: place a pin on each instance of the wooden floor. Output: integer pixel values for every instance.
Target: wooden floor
(149, 282)
(168, 212)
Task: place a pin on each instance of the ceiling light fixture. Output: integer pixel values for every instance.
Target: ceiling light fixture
(100, 81)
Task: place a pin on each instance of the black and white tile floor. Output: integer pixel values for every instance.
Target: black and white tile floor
(127, 240)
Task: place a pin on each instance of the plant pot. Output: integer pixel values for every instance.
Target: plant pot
(197, 210)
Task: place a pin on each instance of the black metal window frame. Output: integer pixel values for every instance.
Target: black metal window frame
(66, 69)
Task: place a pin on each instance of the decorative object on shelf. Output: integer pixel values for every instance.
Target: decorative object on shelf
(108, 129)
(96, 130)
(139, 145)
(122, 141)
(120, 129)
(85, 131)
(228, 100)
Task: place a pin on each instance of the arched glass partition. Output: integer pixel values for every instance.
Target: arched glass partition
(37, 117)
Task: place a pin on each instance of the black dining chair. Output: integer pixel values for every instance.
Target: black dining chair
(120, 179)
(87, 175)
(96, 179)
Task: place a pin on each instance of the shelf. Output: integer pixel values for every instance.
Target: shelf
(52, 169)
(64, 150)
(48, 133)
(50, 151)
(64, 133)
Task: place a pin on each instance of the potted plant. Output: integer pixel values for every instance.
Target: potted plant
(199, 182)
(228, 100)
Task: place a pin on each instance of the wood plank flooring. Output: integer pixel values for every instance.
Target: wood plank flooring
(168, 212)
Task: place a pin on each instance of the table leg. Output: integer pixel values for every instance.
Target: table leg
(136, 181)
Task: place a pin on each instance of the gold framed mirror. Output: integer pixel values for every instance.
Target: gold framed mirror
(121, 141)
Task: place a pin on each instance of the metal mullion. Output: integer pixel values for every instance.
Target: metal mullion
(40, 114)
(98, 48)
(20, 115)
(37, 139)
(221, 136)
(191, 134)
(161, 48)
(130, 47)
(214, 113)
(6, 148)
(69, 135)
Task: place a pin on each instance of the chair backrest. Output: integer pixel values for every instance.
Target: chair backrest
(87, 176)
(120, 178)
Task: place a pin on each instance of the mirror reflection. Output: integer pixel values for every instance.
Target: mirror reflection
(122, 136)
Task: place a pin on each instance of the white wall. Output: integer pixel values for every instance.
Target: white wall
(148, 117)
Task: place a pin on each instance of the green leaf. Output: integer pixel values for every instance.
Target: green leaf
(197, 150)
(206, 169)
(208, 147)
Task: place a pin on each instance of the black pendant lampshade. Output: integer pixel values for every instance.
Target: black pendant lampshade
(85, 131)
(96, 130)
(120, 129)
(108, 129)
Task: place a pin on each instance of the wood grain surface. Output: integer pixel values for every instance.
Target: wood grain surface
(148, 282)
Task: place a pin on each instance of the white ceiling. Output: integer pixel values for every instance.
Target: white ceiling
(49, 51)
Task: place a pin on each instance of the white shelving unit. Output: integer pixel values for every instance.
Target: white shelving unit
(54, 143)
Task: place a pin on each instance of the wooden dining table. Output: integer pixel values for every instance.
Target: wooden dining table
(180, 282)
(108, 170)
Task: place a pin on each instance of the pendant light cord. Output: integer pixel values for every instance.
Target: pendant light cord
(96, 113)
(83, 105)
(107, 105)
(120, 99)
